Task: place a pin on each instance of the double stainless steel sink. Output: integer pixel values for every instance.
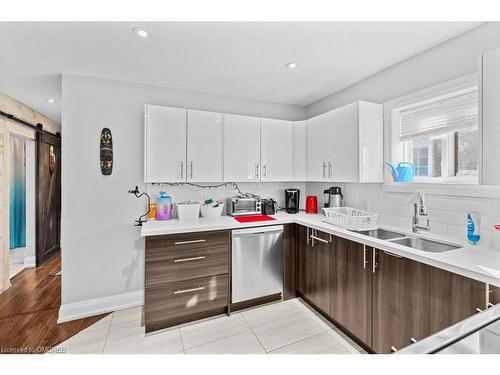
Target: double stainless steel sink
(418, 243)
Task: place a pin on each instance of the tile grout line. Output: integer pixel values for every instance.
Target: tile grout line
(107, 333)
(257, 337)
(295, 342)
(182, 340)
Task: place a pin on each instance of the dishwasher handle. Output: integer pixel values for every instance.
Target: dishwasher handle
(258, 230)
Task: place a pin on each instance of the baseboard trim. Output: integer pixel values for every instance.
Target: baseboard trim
(96, 306)
(29, 262)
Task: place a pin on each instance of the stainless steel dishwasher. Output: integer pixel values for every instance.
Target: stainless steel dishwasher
(257, 262)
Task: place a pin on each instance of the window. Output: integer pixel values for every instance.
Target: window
(439, 136)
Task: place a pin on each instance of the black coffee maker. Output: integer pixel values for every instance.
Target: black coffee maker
(292, 200)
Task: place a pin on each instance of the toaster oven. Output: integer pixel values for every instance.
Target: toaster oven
(239, 206)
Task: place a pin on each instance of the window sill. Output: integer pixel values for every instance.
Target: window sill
(452, 189)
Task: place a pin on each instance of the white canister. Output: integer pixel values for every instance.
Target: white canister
(188, 211)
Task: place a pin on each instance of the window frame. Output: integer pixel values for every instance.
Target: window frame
(394, 146)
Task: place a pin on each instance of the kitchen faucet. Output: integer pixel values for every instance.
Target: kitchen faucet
(419, 210)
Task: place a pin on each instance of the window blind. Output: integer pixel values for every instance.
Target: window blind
(453, 113)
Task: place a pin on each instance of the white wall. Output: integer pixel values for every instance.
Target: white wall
(102, 252)
(450, 60)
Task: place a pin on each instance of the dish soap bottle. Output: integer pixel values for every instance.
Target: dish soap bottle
(473, 222)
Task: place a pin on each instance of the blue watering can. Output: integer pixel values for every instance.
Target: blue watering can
(404, 172)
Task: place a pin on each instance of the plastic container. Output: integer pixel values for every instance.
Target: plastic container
(163, 206)
(351, 218)
(208, 210)
(188, 211)
(152, 211)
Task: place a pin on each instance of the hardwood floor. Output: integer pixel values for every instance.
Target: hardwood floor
(29, 310)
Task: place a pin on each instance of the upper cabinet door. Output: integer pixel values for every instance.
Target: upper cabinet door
(489, 110)
(317, 148)
(276, 150)
(204, 146)
(343, 136)
(241, 148)
(299, 151)
(165, 144)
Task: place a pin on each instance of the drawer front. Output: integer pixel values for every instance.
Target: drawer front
(184, 241)
(180, 299)
(190, 263)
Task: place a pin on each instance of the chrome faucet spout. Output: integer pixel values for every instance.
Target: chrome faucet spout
(419, 210)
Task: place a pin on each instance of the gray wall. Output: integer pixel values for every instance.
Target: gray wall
(102, 251)
(452, 59)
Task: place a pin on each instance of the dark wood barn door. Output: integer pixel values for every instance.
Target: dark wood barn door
(48, 196)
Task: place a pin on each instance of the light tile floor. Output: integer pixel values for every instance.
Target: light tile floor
(281, 328)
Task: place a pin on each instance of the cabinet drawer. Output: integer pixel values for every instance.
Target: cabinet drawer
(184, 241)
(181, 299)
(190, 263)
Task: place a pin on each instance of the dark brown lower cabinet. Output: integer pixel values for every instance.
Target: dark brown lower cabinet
(494, 295)
(453, 298)
(351, 288)
(314, 269)
(400, 302)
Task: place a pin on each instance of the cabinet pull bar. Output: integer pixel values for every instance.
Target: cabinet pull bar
(180, 260)
(257, 171)
(392, 255)
(364, 257)
(413, 341)
(330, 170)
(374, 260)
(321, 239)
(393, 349)
(191, 169)
(307, 235)
(478, 310)
(490, 305)
(182, 291)
(188, 242)
(182, 169)
(324, 169)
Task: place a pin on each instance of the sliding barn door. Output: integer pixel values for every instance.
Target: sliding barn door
(48, 196)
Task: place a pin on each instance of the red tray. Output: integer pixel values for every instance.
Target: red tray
(253, 218)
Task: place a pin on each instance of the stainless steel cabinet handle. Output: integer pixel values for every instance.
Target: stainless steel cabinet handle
(374, 260)
(188, 242)
(307, 235)
(191, 166)
(321, 239)
(364, 257)
(413, 341)
(264, 168)
(324, 169)
(182, 169)
(478, 310)
(393, 349)
(257, 171)
(182, 291)
(490, 305)
(180, 260)
(330, 170)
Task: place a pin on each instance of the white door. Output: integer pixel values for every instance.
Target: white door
(276, 150)
(317, 148)
(165, 144)
(241, 148)
(204, 146)
(343, 144)
(299, 151)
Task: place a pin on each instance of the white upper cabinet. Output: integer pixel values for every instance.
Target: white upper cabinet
(241, 148)
(489, 110)
(276, 150)
(165, 144)
(204, 146)
(299, 151)
(346, 144)
(317, 148)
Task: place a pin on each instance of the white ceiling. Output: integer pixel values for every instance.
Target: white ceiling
(243, 60)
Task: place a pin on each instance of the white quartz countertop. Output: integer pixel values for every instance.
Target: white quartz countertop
(477, 262)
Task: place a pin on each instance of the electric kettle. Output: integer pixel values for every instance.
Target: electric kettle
(333, 197)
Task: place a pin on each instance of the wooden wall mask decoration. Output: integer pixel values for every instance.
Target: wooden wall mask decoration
(106, 151)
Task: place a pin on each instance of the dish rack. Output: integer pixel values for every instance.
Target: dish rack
(350, 218)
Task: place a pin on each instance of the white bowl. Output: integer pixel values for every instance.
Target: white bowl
(212, 212)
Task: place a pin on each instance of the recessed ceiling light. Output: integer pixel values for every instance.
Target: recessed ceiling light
(51, 101)
(291, 65)
(141, 33)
